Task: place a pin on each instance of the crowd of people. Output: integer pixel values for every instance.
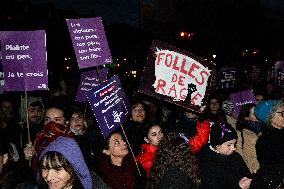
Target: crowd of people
(49, 144)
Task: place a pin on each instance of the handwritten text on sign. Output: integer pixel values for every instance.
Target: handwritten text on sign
(89, 42)
(174, 72)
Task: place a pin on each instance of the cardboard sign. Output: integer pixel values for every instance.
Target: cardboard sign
(109, 104)
(89, 42)
(240, 98)
(24, 60)
(89, 80)
(176, 76)
(227, 78)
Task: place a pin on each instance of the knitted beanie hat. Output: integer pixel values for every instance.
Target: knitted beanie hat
(263, 110)
(228, 107)
(221, 133)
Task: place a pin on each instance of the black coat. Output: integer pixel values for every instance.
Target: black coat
(221, 171)
(175, 178)
(270, 149)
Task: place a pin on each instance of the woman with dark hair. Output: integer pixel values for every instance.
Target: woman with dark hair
(152, 135)
(117, 167)
(248, 129)
(62, 166)
(174, 166)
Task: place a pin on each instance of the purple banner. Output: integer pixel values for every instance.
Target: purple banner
(1, 75)
(89, 80)
(240, 98)
(89, 42)
(24, 60)
(109, 104)
(279, 73)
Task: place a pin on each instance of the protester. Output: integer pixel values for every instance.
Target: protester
(248, 129)
(152, 136)
(13, 174)
(175, 167)
(213, 112)
(117, 167)
(62, 166)
(86, 135)
(270, 145)
(134, 126)
(35, 111)
(221, 166)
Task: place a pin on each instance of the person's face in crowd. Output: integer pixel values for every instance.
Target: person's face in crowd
(7, 109)
(54, 114)
(226, 148)
(277, 120)
(138, 113)
(56, 178)
(258, 98)
(34, 113)
(190, 115)
(155, 134)
(117, 146)
(252, 116)
(214, 105)
(77, 122)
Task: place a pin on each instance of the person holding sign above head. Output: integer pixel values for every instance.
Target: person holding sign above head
(117, 167)
(152, 136)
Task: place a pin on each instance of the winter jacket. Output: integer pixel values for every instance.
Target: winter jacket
(175, 178)
(125, 176)
(222, 171)
(269, 149)
(147, 157)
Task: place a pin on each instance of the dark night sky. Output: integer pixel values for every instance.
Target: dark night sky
(125, 11)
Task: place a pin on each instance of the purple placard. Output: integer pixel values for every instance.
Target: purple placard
(89, 42)
(240, 98)
(109, 104)
(1, 75)
(90, 80)
(24, 60)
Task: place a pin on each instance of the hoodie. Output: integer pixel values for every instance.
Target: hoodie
(69, 148)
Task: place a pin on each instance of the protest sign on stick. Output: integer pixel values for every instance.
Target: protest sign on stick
(24, 60)
(109, 104)
(89, 42)
(89, 80)
(177, 76)
(227, 78)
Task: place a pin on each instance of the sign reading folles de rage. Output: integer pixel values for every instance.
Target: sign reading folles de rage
(24, 60)
(176, 76)
(89, 80)
(89, 42)
(109, 104)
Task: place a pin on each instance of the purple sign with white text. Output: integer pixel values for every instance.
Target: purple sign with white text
(89, 80)
(109, 104)
(24, 60)
(279, 73)
(240, 98)
(89, 42)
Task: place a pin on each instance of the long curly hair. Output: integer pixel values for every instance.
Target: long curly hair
(173, 152)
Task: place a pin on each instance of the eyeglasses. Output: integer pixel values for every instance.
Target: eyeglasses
(282, 113)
